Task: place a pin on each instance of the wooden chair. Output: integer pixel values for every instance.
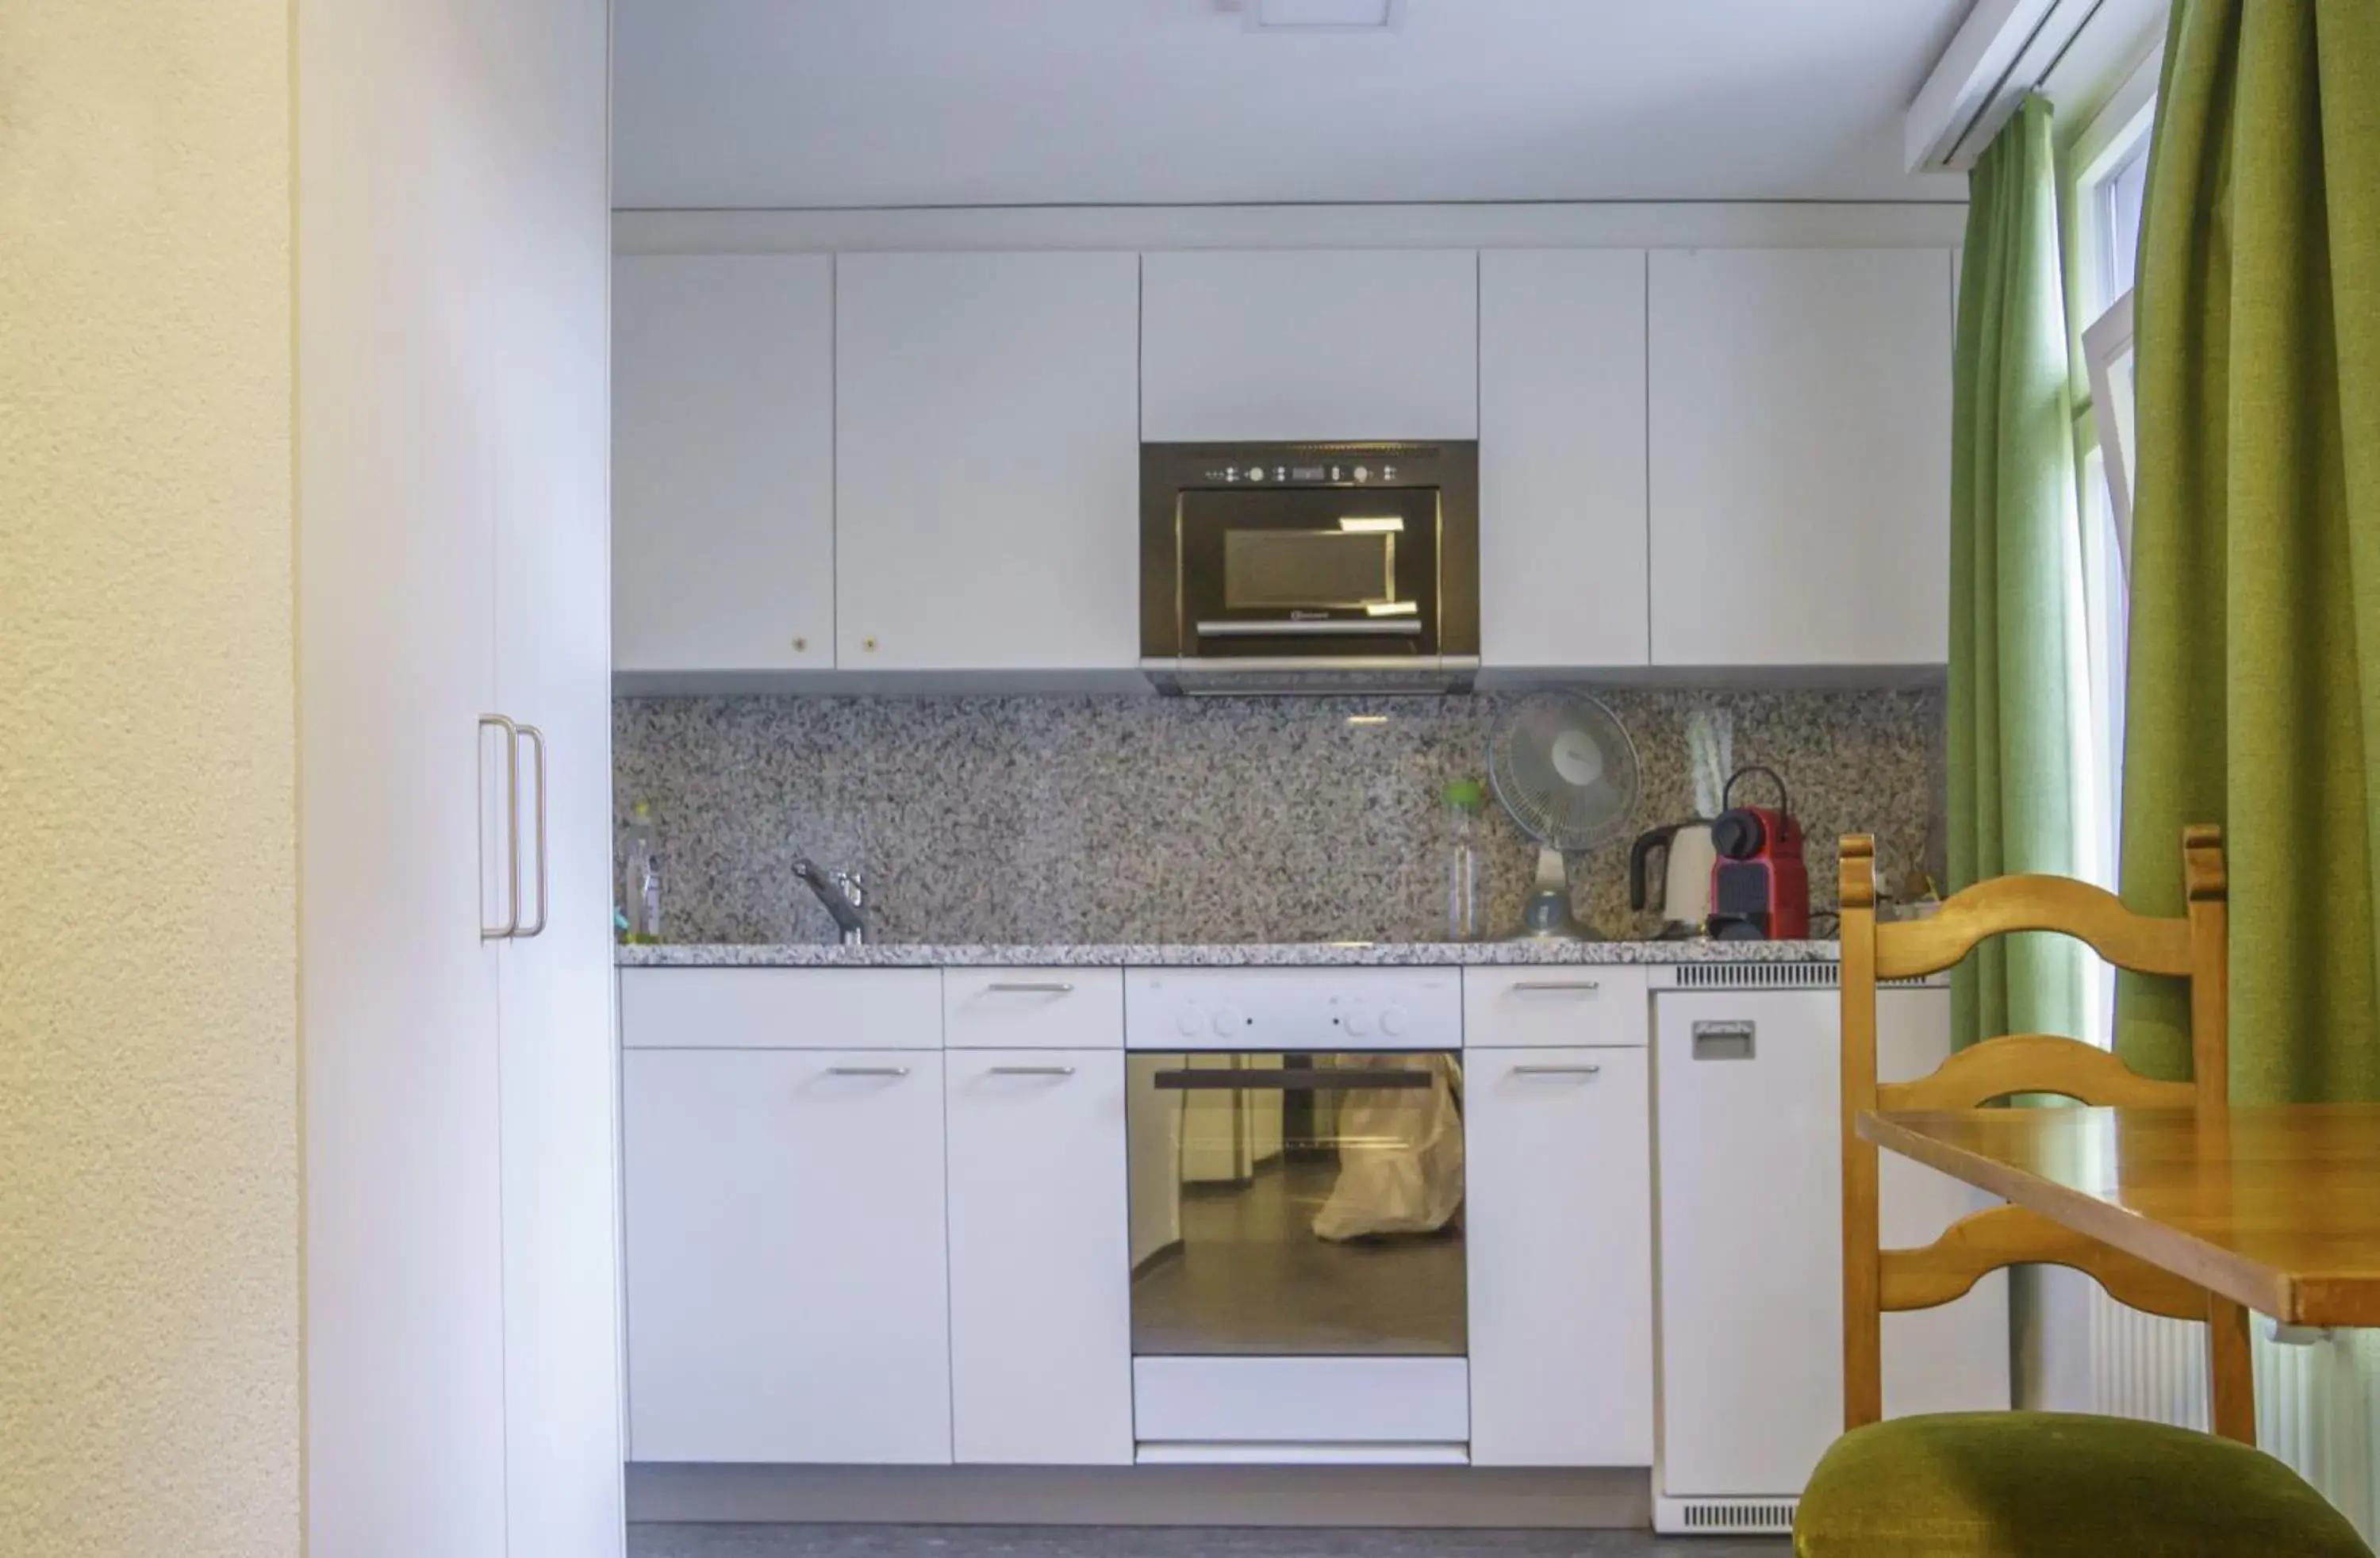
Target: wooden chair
(2032, 1482)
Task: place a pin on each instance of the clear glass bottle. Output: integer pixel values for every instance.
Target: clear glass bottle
(640, 878)
(1466, 801)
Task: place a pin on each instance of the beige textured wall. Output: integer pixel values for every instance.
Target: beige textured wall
(148, 1162)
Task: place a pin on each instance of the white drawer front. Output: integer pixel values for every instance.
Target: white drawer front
(1555, 1007)
(780, 1009)
(1032, 1008)
(1249, 1401)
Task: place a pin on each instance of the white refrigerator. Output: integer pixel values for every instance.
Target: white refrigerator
(1751, 1240)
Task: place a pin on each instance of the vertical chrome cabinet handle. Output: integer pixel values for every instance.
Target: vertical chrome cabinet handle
(511, 927)
(537, 739)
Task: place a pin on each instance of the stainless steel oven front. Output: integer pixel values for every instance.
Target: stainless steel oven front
(1310, 567)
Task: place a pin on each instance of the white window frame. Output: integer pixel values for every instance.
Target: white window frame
(2106, 461)
(2106, 353)
(2116, 138)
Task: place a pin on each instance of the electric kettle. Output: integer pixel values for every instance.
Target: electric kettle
(1686, 879)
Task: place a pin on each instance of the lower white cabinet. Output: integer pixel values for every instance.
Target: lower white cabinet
(788, 1285)
(1041, 1268)
(1559, 1231)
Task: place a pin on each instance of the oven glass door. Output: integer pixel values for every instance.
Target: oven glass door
(1290, 1205)
(1304, 571)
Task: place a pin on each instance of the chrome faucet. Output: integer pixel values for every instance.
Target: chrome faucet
(843, 894)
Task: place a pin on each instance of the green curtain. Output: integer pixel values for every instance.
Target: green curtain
(2256, 631)
(2015, 556)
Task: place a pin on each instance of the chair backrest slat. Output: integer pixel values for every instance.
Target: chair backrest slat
(2193, 947)
(2034, 1063)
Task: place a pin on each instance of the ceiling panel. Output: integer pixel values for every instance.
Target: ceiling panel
(902, 103)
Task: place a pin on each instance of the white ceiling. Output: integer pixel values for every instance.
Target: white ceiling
(895, 103)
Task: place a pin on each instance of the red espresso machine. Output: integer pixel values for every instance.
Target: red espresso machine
(1760, 886)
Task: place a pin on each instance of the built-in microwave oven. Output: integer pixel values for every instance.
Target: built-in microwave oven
(1309, 568)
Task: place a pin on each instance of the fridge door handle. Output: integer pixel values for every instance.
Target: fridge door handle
(536, 738)
(510, 927)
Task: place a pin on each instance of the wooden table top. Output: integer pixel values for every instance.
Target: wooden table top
(2275, 1207)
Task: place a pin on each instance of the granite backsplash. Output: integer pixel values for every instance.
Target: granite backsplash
(1138, 819)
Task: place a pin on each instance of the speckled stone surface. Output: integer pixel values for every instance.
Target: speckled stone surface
(1091, 1542)
(1225, 954)
(1148, 821)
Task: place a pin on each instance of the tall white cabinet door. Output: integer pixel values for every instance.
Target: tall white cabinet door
(1562, 458)
(1310, 343)
(788, 1283)
(549, 393)
(1559, 1224)
(724, 462)
(1041, 1270)
(1801, 456)
(397, 329)
(988, 462)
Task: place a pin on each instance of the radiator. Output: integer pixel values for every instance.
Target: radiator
(2317, 1404)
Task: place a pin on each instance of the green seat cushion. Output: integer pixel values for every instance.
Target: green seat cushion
(2032, 1484)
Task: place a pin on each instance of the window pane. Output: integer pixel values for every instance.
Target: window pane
(2124, 188)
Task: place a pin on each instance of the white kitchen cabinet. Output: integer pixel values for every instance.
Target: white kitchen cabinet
(1562, 458)
(558, 1064)
(461, 1343)
(1801, 456)
(1559, 1227)
(788, 1294)
(724, 462)
(1041, 1270)
(1555, 1007)
(986, 462)
(1310, 343)
(781, 1008)
(1032, 1008)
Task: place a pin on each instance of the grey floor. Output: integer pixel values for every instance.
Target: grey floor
(1092, 1542)
(1251, 1277)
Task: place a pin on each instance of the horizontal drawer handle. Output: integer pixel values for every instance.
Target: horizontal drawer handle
(868, 1071)
(1050, 987)
(1555, 987)
(1556, 1070)
(1032, 1071)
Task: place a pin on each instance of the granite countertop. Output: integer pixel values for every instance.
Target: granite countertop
(1251, 954)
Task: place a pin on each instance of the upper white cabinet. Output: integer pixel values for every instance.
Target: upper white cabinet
(1801, 456)
(723, 526)
(987, 461)
(1562, 458)
(1310, 343)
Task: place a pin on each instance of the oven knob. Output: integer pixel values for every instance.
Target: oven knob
(1227, 1023)
(1363, 473)
(1359, 1024)
(1191, 1023)
(1392, 1022)
(1256, 473)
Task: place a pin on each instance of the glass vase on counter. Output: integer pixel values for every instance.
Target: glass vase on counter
(1467, 803)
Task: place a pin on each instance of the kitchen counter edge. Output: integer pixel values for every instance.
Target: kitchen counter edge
(1316, 954)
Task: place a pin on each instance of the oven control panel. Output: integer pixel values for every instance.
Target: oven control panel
(1302, 1009)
